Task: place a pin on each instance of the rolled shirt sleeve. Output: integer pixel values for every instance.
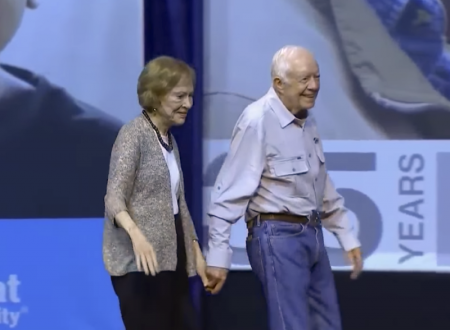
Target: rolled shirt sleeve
(335, 217)
(219, 251)
(236, 183)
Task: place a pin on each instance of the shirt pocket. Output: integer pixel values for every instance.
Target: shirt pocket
(288, 174)
(319, 151)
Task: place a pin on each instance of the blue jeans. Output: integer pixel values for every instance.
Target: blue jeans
(292, 264)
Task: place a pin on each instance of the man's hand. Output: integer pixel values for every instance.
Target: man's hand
(216, 278)
(356, 260)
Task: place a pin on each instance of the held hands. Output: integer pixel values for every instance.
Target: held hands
(144, 252)
(355, 258)
(216, 278)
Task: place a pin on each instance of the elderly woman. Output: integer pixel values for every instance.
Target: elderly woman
(150, 246)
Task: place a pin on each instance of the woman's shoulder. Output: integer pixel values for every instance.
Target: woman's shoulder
(133, 128)
(131, 132)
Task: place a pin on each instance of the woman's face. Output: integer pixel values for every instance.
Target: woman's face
(11, 12)
(175, 105)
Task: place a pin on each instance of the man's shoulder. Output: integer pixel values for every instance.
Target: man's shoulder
(52, 105)
(68, 110)
(255, 113)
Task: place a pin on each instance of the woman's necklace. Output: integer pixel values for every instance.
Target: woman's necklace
(168, 147)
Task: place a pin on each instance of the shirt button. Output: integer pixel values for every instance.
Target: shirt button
(293, 169)
(309, 155)
(316, 179)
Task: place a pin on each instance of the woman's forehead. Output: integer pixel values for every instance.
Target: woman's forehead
(184, 84)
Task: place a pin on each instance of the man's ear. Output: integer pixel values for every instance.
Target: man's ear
(277, 84)
(32, 4)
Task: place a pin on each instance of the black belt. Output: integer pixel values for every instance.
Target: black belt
(313, 219)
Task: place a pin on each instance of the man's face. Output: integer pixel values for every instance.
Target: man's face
(301, 86)
(11, 12)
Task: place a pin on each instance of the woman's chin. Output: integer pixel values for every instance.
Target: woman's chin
(179, 121)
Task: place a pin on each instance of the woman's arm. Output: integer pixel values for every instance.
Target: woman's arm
(124, 220)
(125, 158)
(122, 169)
(185, 211)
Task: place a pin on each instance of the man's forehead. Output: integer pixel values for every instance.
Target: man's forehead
(305, 65)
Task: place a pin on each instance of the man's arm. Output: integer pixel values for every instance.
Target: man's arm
(236, 183)
(336, 219)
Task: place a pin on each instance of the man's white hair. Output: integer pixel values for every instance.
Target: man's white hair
(282, 59)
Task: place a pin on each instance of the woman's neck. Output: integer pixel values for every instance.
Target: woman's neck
(159, 123)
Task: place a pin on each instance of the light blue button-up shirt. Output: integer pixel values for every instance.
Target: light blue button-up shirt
(275, 165)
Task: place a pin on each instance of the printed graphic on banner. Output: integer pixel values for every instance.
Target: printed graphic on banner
(11, 307)
(68, 120)
(52, 276)
(395, 192)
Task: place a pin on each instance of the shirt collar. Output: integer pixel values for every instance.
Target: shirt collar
(284, 116)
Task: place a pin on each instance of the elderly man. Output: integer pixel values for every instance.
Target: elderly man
(275, 174)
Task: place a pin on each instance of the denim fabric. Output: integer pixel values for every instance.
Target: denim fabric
(292, 264)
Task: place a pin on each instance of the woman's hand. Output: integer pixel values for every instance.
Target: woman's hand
(144, 252)
(200, 264)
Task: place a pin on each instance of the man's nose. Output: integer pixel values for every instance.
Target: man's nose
(313, 84)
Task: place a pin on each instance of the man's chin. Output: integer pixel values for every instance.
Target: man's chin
(308, 104)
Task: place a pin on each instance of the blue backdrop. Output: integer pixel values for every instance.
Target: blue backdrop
(175, 28)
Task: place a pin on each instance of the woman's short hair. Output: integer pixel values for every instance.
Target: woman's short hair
(159, 77)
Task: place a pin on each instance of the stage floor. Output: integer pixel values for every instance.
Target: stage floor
(387, 301)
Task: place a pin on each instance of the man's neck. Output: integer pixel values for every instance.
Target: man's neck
(302, 114)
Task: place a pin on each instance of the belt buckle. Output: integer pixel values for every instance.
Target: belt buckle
(314, 217)
(257, 221)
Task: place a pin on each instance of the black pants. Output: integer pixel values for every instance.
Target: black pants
(158, 302)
